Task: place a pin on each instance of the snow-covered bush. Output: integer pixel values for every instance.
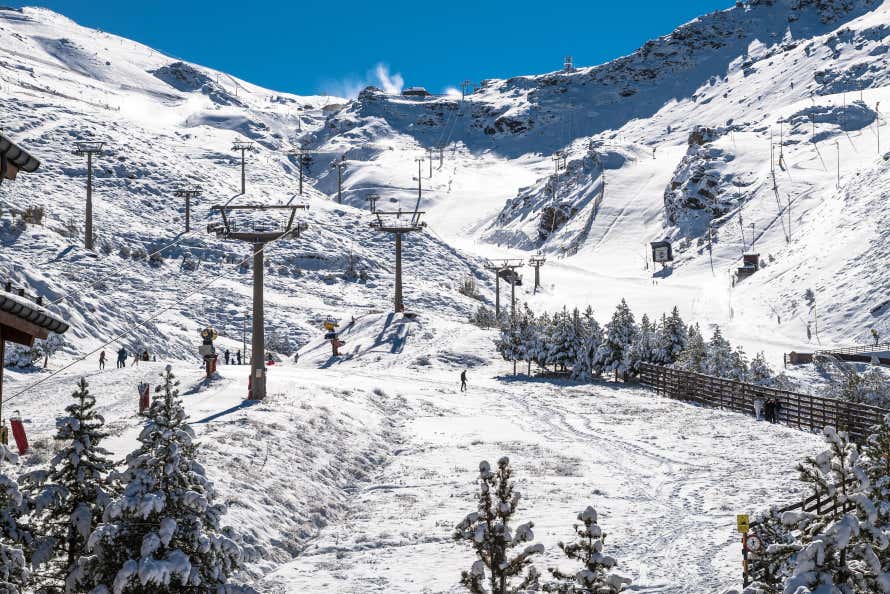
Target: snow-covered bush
(484, 317)
(489, 532)
(163, 533)
(615, 353)
(596, 573)
(868, 387)
(469, 287)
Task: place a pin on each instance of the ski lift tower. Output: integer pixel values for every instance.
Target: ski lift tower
(304, 156)
(244, 147)
(88, 149)
(188, 194)
(537, 262)
(372, 201)
(392, 222)
(505, 269)
(568, 64)
(259, 238)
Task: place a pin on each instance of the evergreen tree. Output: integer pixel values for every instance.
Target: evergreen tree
(827, 560)
(693, 356)
(671, 339)
(760, 372)
(68, 500)
(596, 568)
(589, 340)
(528, 335)
(162, 535)
(644, 349)
(562, 340)
(14, 573)
(488, 532)
(621, 333)
(876, 551)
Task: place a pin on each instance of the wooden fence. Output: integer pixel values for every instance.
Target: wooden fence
(883, 347)
(802, 411)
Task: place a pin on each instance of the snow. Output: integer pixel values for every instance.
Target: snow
(352, 474)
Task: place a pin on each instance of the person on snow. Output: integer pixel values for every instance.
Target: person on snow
(238, 356)
(121, 357)
(776, 408)
(463, 380)
(876, 336)
(269, 359)
(145, 356)
(136, 358)
(296, 357)
(226, 355)
(768, 410)
(758, 408)
(102, 360)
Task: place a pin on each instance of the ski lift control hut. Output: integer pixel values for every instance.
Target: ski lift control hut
(662, 252)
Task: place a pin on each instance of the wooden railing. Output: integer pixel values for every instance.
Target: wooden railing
(802, 411)
(883, 347)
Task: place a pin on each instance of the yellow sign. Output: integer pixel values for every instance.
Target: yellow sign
(742, 521)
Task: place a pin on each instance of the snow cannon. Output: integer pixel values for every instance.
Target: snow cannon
(207, 351)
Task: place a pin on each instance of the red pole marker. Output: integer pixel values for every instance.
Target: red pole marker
(18, 432)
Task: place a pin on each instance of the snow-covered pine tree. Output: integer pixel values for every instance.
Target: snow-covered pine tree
(163, 534)
(772, 566)
(14, 573)
(692, 358)
(621, 333)
(827, 560)
(876, 552)
(528, 335)
(596, 573)
(644, 349)
(68, 500)
(489, 533)
(759, 371)
(541, 346)
(868, 387)
(589, 341)
(562, 340)
(671, 339)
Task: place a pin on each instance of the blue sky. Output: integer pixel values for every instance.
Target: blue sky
(335, 46)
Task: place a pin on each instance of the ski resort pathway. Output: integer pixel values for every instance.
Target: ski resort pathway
(667, 478)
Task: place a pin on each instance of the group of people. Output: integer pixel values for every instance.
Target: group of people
(122, 356)
(767, 411)
(227, 357)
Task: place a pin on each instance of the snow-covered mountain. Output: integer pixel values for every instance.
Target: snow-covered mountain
(168, 124)
(661, 144)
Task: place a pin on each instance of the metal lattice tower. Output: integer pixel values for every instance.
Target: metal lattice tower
(392, 222)
(244, 147)
(88, 149)
(188, 194)
(258, 238)
(499, 267)
(464, 87)
(537, 262)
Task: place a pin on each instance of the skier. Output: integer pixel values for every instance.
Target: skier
(102, 360)
(463, 380)
(809, 332)
(121, 357)
(296, 357)
(876, 336)
(238, 356)
(226, 354)
(145, 356)
(758, 407)
(135, 362)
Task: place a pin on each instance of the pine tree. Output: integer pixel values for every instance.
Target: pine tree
(596, 568)
(643, 350)
(14, 573)
(760, 372)
(875, 551)
(68, 500)
(528, 335)
(672, 338)
(562, 340)
(488, 532)
(589, 340)
(621, 333)
(162, 535)
(829, 542)
(693, 356)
